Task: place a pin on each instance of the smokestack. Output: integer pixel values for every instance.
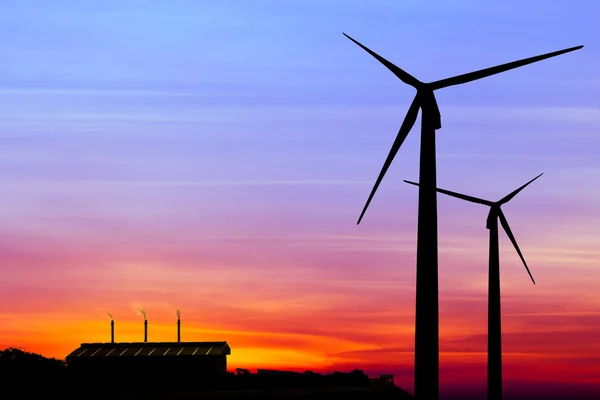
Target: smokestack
(178, 327)
(143, 312)
(112, 327)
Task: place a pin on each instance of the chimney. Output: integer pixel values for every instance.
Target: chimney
(178, 330)
(112, 331)
(145, 330)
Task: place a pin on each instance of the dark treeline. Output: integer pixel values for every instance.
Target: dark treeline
(59, 378)
(17, 358)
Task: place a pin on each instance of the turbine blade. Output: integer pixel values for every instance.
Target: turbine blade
(400, 73)
(407, 124)
(509, 196)
(504, 224)
(460, 196)
(484, 73)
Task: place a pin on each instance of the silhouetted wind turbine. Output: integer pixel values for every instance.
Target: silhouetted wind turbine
(494, 312)
(427, 320)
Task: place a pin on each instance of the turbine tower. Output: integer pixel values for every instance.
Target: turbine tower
(494, 384)
(426, 314)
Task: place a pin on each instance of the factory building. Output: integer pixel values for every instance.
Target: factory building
(206, 358)
(202, 357)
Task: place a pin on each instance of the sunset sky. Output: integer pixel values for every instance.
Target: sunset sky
(214, 157)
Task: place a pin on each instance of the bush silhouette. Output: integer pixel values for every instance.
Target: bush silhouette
(16, 358)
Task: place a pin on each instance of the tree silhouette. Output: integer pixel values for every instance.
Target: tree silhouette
(12, 357)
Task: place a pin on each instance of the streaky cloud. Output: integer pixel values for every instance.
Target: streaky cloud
(97, 92)
(86, 184)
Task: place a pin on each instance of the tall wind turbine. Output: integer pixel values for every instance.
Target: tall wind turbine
(426, 319)
(494, 385)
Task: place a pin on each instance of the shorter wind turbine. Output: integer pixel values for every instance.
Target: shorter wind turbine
(494, 388)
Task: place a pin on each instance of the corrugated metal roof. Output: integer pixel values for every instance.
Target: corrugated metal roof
(149, 349)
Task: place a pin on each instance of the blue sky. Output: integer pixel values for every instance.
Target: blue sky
(187, 93)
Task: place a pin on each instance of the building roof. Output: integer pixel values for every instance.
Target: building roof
(151, 349)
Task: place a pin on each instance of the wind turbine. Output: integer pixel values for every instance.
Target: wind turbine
(494, 387)
(426, 314)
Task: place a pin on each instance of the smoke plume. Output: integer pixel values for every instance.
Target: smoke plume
(110, 316)
(178, 314)
(143, 312)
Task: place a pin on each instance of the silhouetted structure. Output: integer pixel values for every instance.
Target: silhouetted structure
(178, 326)
(145, 315)
(202, 357)
(494, 309)
(427, 319)
(205, 357)
(384, 379)
(112, 328)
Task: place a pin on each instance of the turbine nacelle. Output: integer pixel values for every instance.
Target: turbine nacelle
(429, 105)
(492, 217)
